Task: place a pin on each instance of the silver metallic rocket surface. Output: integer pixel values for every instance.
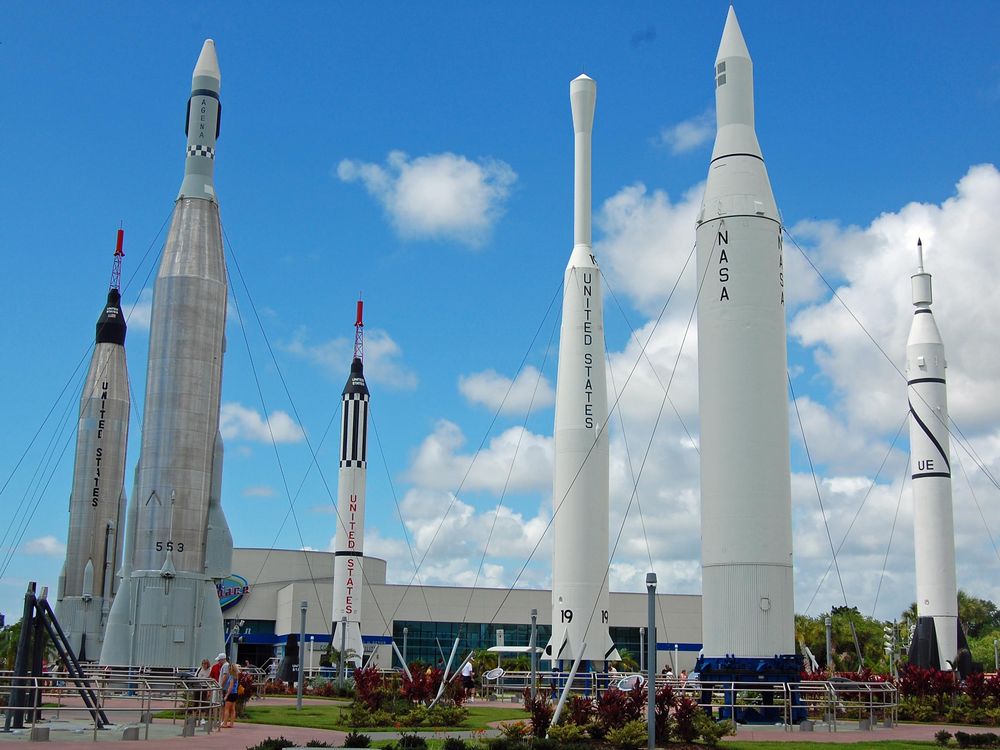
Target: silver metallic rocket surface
(97, 501)
(937, 640)
(167, 609)
(746, 519)
(580, 602)
(349, 550)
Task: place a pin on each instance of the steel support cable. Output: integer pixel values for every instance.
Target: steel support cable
(819, 495)
(402, 523)
(967, 448)
(979, 507)
(637, 476)
(892, 531)
(482, 443)
(51, 464)
(652, 367)
(510, 471)
(313, 451)
(267, 421)
(857, 513)
(45, 461)
(603, 427)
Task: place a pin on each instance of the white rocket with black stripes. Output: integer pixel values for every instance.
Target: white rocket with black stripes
(349, 549)
(746, 511)
(937, 639)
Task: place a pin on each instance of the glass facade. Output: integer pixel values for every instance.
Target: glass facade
(428, 642)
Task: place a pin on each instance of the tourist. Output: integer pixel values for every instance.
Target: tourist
(202, 695)
(231, 690)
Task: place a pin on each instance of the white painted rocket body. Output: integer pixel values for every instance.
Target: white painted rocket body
(97, 501)
(349, 544)
(580, 602)
(167, 612)
(936, 642)
(746, 519)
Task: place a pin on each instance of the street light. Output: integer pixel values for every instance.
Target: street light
(651, 660)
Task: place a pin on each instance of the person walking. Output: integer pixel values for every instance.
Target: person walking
(203, 694)
(231, 691)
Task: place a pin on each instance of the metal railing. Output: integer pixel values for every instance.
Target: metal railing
(122, 693)
(826, 702)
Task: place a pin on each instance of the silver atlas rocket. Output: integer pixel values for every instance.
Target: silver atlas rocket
(350, 541)
(167, 609)
(580, 602)
(746, 518)
(939, 636)
(97, 501)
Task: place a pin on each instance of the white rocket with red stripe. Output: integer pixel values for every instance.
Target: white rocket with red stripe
(349, 555)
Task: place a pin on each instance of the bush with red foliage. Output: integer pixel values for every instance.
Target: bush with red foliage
(579, 709)
(919, 682)
(423, 685)
(666, 700)
(975, 687)
(616, 708)
(368, 687)
(541, 712)
(686, 718)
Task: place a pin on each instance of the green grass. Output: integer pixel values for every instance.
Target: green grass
(876, 745)
(329, 717)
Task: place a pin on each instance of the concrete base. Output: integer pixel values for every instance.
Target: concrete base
(39, 734)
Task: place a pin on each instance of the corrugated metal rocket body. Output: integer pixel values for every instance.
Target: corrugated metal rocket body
(580, 602)
(350, 541)
(746, 522)
(167, 610)
(937, 638)
(97, 502)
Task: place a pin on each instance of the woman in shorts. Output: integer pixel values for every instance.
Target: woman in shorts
(231, 689)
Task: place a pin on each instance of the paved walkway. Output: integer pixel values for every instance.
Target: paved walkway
(68, 731)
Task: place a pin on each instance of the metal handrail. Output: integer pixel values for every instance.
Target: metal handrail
(190, 697)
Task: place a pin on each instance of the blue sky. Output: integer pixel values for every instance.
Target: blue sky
(422, 155)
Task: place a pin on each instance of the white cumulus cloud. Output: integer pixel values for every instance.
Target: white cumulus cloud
(689, 134)
(46, 545)
(383, 358)
(238, 422)
(529, 390)
(259, 491)
(436, 196)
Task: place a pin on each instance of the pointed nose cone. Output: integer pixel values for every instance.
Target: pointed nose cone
(208, 62)
(88, 581)
(583, 100)
(732, 44)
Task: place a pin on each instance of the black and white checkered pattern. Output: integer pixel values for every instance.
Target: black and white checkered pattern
(199, 150)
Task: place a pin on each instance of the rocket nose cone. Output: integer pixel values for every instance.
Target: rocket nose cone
(732, 44)
(583, 100)
(208, 62)
(356, 381)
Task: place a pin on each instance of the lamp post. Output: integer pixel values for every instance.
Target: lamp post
(406, 632)
(651, 660)
(312, 644)
(302, 648)
(533, 642)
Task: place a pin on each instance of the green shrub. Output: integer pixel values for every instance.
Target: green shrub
(942, 737)
(319, 743)
(411, 742)
(454, 743)
(414, 717)
(272, 743)
(446, 716)
(508, 743)
(544, 743)
(354, 739)
(515, 730)
(566, 733)
(631, 735)
(711, 731)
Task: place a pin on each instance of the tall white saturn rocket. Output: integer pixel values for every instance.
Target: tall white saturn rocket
(938, 636)
(167, 611)
(746, 518)
(350, 541)
(580, 603)
(97, 501)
